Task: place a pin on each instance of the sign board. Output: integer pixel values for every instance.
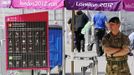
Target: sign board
(100, 5)
(128, 5)
(27, 41)
(5, 3)
(38, 4)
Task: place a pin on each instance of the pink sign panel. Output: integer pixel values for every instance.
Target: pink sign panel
(128, 5)
(5, 3)
(38, 4)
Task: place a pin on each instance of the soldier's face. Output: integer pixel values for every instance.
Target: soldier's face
(114, 26)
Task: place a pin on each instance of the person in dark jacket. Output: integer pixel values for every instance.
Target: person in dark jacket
(80, 20)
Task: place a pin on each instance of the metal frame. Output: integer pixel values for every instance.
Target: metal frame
(93, 66)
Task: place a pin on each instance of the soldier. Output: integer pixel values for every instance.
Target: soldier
(116, 48)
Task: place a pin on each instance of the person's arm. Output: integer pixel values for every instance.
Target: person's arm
(69, 21)
(122, 52)
(69, 26)
(125, 48)
(110, 50)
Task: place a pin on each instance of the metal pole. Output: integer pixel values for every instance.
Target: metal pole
(32, 72)
(95, 67)
(72, 48)
(83, 69)
(63, 43)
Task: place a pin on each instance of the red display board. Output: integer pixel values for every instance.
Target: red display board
(27, 41)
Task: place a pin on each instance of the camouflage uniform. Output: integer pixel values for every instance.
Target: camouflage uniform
(116, 65)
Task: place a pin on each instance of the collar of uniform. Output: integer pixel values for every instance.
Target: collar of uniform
(116, 36)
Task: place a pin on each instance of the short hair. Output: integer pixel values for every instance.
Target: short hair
(115, 20)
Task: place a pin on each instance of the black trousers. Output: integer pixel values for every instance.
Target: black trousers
(80, 41)
(99, 33)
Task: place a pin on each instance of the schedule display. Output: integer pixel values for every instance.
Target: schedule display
(26, 45)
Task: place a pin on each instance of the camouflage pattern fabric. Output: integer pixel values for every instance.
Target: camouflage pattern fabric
(118, 41)
(116, 65)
